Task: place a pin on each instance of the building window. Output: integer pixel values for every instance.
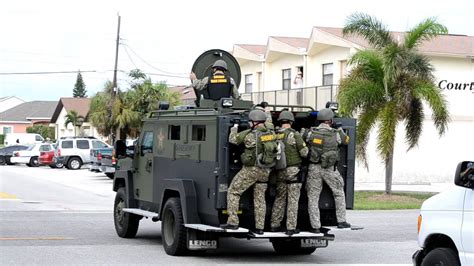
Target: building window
(174, 132)
(327, 74)
(286, 77)
(147, 142)
(199, 133)
(82, 144)
(7, 129)
(248, 83)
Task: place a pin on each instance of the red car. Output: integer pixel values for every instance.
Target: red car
(47, 158)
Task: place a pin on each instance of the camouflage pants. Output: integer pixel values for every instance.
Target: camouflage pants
(314, 185)
(284, 190)
(242, 181)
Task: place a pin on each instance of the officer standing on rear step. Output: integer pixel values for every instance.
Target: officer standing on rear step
(324, 144)
(288, 185)
(218, 85)
(257, 159)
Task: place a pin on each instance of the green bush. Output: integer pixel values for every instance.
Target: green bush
(44, 131)
(2, 139)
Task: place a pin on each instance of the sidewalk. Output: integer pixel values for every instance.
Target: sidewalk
(428, 187)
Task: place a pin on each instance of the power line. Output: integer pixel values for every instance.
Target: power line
(129, 57)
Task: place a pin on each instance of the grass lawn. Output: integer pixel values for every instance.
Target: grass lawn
(377, 200)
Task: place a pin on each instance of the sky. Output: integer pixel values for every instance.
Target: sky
(163, 38)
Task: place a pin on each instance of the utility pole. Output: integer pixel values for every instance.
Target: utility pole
(114, 82)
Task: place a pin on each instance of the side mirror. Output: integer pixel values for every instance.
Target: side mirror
(464, 176)
(120, 148)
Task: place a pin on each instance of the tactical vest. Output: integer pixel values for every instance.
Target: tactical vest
(219, 86)
(324, 146)
(292, 154)
(264, 153)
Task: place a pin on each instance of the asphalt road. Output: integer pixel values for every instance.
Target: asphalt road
(58, 216)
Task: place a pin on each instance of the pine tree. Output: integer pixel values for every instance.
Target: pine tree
(79, 88)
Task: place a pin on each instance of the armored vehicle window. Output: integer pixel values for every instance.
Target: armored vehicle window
(82, 144)
(199, 133)
(174, 132)
(66, 144)
(147, 142)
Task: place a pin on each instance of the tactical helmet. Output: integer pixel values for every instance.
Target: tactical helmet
(286, 115)
(257, 116)
(220, 64)
(325, 114)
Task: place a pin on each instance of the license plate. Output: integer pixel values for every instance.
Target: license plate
(313, 243)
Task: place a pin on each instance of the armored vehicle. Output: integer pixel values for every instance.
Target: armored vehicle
(183, 165)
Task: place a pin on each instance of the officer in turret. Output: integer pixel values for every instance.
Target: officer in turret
(218, 85)
(324, 142)
(288, 186)
(257, 159)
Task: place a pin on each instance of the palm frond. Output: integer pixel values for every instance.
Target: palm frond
(369, 28)
(365, 123)
(368, 64)
(437, 103)
(424, 31)
(419, 66)
(357, 93)
(414, 123)
(386, 135)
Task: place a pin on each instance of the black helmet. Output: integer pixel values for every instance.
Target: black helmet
(257, 116)
(220, 64)
(286, 115)
(325, 114)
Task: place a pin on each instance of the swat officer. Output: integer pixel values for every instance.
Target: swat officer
(288, 187)
(218, 85)
(255, 170)
(324, 143)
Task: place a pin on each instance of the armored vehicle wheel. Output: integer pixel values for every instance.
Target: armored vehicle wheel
(126, 224)
(34, 161)
(110, 175)
(74, 163)
(172, 228)
(441, 256)
(290, 247)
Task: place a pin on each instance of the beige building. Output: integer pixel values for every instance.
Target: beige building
(269, 73)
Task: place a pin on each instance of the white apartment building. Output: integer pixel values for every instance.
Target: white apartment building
(269, 71)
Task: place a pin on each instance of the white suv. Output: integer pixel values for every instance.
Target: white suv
(73, 152)
(446, 223)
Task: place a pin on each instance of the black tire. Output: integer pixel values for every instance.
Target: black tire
(29, 165)
(74, 163)
(290, 246)
(34, 161)
(173, 232)
(441, 257)
(110, 175)
(126, 224)
(52, 166)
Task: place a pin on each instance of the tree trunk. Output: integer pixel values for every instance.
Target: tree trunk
(388, 174)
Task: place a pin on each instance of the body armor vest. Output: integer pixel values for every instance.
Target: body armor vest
(324, 146)
(218, 87)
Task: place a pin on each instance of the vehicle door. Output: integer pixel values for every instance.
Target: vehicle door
(467, 233)
(83, 149)
(143, 177)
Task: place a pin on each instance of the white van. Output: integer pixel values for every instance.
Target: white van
(446, 223)
(22, 139)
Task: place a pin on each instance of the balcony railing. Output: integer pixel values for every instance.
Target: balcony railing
(316, 97)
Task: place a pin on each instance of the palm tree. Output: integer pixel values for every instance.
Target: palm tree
(388, 85)
(72, 117)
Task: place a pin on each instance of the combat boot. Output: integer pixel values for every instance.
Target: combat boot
(343, 225)
(275, 229)
(258, 231)
(229, 226)
(292, 232)
(315, 230)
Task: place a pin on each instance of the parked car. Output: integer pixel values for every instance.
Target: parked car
(22, 139)
(446, 223)
(7, 152)
(73, 152)
(96, 158)
(107, 163)
(31, 155)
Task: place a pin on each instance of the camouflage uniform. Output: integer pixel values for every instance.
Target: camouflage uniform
(288, 187)
(314, 184)
(245, 178)
(200, 84)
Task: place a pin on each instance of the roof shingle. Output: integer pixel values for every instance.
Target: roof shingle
(30, 110)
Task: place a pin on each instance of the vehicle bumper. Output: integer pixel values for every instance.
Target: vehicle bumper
(60, 160)
(417, 257)
(45, 161)
(94, 167)
(107, 169)
(20, 159)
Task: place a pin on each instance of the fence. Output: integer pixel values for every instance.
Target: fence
(316, 97)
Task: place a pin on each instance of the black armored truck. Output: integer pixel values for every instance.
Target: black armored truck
(183, 164)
